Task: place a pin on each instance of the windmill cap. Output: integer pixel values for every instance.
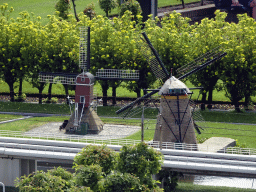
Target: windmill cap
(172, 83)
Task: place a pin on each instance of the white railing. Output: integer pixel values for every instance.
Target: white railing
(98, 140)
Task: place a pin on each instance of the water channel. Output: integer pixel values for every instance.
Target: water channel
(246, 183)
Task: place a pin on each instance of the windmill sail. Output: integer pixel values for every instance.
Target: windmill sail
(160, 71)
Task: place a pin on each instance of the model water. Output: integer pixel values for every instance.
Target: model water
(246, 183)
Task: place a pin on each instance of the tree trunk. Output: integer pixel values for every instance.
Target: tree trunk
(247, 101)
(66, 92)
(11, 91)
(209, 106)
(237, 107)
(203, 100)
(50, 92)
(183, 4)
(20, 89)
(114, 94)
(41, 88)
(137, 91)
(105, 86)
(74, 6)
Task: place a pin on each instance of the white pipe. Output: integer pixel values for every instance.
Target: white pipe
(3, 186)
(209, 167)
(201, 154)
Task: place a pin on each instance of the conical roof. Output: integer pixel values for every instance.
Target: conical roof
(172, 83)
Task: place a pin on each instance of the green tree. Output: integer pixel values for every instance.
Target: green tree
(12, 40)
(238, 73)
(107, 5)
(131, 5)
(53, 180)
(62, 7)
(121, 182)
(92, 155)
(142, 161)
(208, 35)
(88, 175)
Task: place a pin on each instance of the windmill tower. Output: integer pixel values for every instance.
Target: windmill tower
(175, 118)
(84, 119)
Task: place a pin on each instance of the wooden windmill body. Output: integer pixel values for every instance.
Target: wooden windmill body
(84, 119)
(174, 122)
(175, 118)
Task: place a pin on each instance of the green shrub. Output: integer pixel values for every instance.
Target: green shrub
(88, 176)
(90, 10)
(142, 161)
(130, 5)
(121, 182)
(62, 7)
(44, 181)
(101, 155)
(107, 5)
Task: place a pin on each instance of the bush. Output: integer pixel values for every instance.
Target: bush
(45, 181)
(142, 161)
(90, 10)
(53, 100)
(121, 182)
(88, 176)
(62, 6)
(101, 155)
(130, 5)
(20, 98)
(107, 5)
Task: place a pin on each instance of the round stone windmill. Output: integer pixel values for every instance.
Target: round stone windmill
(84, 119)
(175, 117)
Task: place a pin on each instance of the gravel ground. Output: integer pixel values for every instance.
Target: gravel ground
(109, 132)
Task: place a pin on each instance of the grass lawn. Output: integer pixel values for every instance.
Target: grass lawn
(34, 108)
(189, 187)
(4, 117)
(214, 126)
(28, 124)
(46, 7)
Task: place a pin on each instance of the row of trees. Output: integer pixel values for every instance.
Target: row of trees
(98, 168)
(27, 48)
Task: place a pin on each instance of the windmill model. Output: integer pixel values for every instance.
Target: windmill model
(84, 119)
(174, 122)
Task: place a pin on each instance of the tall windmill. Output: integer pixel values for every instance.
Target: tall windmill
(175, 119)
(84, 116)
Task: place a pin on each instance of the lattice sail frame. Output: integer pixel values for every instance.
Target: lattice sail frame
(117, 74)
(83, 48)
(61, 78)
(195, 63)
(150, 57)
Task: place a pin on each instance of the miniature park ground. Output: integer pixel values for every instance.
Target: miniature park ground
(244, 133)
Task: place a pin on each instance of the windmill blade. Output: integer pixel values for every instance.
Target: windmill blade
(200, 63)
(137, 101)
(153, 59)
(84, 48)
(117, 74)
(146, 104)
(63, 78)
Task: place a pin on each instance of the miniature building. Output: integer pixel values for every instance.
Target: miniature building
(84, 88)
(175, 124)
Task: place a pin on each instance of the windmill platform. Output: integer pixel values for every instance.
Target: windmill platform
(90, 118)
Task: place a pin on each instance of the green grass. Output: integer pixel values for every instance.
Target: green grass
(34, 108)
(28, 124)
(189, 187)
(244, 134)
(46, 7)
(5, 117)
